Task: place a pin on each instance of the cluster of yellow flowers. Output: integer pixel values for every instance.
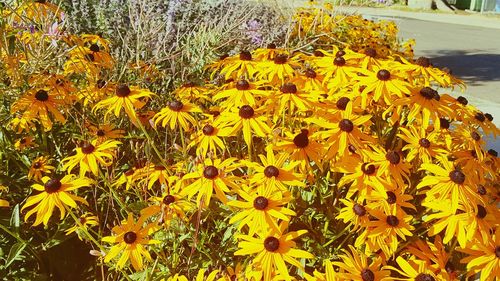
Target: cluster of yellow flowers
(406, 164)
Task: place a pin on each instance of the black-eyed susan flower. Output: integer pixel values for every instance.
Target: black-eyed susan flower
(25, 142)
(247, 119)
(391, 165)
(90, 156)
(169, 206)
(85, 221)
(261, 209)
(273, 249)
(435, 255)
(329, 275)
(209, 139)
(130, 240)
(177, 114)
(240, 93)
(40, 166)
(356, 215)
(422, 144)
(209, 176)
(356, 266)
(21, 123)
(55, 192)
(384, 232)
(275, 173)
(105, 132)
(384, 84)
(128, 98)
(484, 257)
(339, 135)
(302, 147)
(277, 70)
(39, 105)
(240, 66)
(414, 270)
(448, 182)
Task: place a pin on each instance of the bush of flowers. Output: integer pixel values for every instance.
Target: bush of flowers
(337, 159)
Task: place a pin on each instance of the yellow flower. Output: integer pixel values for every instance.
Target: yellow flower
(38, 104)
(414, 270)
(54, 193)
(24, 142)
(177, 114)
(355, 267)
(209, 140)
(90, 155)
(484, 257)
(240, 93)
(384, 84)
(84, 222)
(38, 166)
(262, 209)
(130, 239)
(247, 119)
(211, 175)
(273, 249)
(170, 206)
(128, 98)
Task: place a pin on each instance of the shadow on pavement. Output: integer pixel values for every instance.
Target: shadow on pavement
(476, 69)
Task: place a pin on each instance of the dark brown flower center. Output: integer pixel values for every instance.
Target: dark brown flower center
(340, 53)
(160, 168)
(301, 140)
(462, 100)
(210, 172)
(444, 123)
(489, 116)
(87, 148)
(42, 95)
(424, 277)
(423, 61)
(457, 177)
(342, 103)
(480, 117)
(272, 244)
(392, 220)
(428, 93)
(351, 149)
(245, 55)
(383, 75)
(393, 157)
(346, 125)
(391, 197)
(100, 83)
(242, 85)
(367, 275)
(271, 46)
(169, 199)
(339, 61)
(289, 88)
(23, 141)
(271, 171)
(130, 237)
(175, 105)
(122, 90)
(100, 133)
(367, 169)
(449, 267)
(481, 212)
(52, 185)
(475, 136)
(493, 152)
(246, 112)
(222, 57)
(280, 59)
(310, 73)
(497, 251)
(481, 189)
(318, 53)
(359, 210)
(208, 130)
(94, 48)
(371, 52)
(37, 165)
(89, 57)
(260, 203)
(425, 143)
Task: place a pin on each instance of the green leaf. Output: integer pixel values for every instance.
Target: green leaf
(15, 219)
(15, 253)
